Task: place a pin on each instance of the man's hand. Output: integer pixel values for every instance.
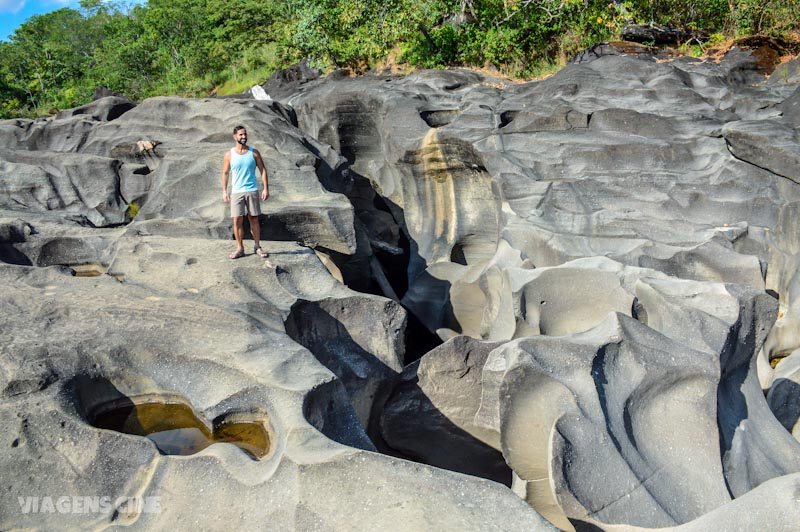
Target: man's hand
(225, 197)
(264, 194)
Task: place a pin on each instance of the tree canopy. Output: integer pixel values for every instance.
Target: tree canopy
(195, 47)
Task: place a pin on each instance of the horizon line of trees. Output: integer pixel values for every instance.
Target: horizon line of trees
(196, 47)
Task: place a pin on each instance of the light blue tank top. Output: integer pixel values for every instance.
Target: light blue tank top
(243, 172)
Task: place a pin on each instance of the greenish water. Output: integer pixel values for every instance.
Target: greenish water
(176, 430)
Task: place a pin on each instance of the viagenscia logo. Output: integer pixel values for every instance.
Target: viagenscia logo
(87, 504)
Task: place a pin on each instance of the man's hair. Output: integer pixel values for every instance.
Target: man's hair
(237, 128)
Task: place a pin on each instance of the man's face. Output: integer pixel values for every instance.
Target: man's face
(241, 137)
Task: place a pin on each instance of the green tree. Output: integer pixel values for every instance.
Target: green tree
(355, 33)
(512, 34)
(48, 55)
(126, 60)
(12, 97)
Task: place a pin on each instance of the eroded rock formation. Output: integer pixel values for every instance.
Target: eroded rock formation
(607, 259)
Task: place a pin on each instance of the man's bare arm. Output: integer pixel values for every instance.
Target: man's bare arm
(263, 169)
(226, 169)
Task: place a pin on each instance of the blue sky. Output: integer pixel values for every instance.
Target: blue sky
(15, 12)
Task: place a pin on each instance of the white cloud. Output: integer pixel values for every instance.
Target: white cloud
(11, 6)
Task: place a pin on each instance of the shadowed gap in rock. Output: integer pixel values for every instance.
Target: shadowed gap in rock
(506, 117)
(457, 451)
(328, 409)
(600, 384)
(754, 446)
(731, 402)
(457, 255)
(439, 117)
(357, 271)
(583, 526)
(350, 413)
(11, 255)
(366, 378)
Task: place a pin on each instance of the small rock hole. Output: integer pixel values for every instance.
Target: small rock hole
(177, 430)
(88, 270)
(507, 117)
(167, 419)
(439, 118)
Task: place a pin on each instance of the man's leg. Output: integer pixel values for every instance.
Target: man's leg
(255, 230)
(237, 215)
(253, 212)
(238, 234)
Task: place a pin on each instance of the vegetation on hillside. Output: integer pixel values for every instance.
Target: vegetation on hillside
(194, 47)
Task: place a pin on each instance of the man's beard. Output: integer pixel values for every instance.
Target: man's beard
(243, 142)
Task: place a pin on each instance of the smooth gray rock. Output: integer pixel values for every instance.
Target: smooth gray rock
(166, 155)
(608, 435)
(788, 72)
(102, 109)
(82, 188)
(169, 315)
(790, 109)
(784, 396)
(539, 394)
(771, 505)
(748, 140)
(783, 339)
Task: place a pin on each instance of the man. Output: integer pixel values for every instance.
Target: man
(240, 163)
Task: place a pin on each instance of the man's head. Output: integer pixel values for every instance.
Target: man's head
(240, 135)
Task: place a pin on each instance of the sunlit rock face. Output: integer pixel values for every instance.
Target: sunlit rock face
(564, 304)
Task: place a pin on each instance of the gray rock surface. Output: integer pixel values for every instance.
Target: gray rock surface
(73, 338)
(784, 397)
(603, 254)
(165, 314)
(692, 369)
(747, 140)
(788, 72)
(584, 163)
(83, 187)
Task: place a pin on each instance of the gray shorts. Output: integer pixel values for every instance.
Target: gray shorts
(245, 202)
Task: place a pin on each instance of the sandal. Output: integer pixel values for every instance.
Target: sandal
(260, 252)
(236, 254)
